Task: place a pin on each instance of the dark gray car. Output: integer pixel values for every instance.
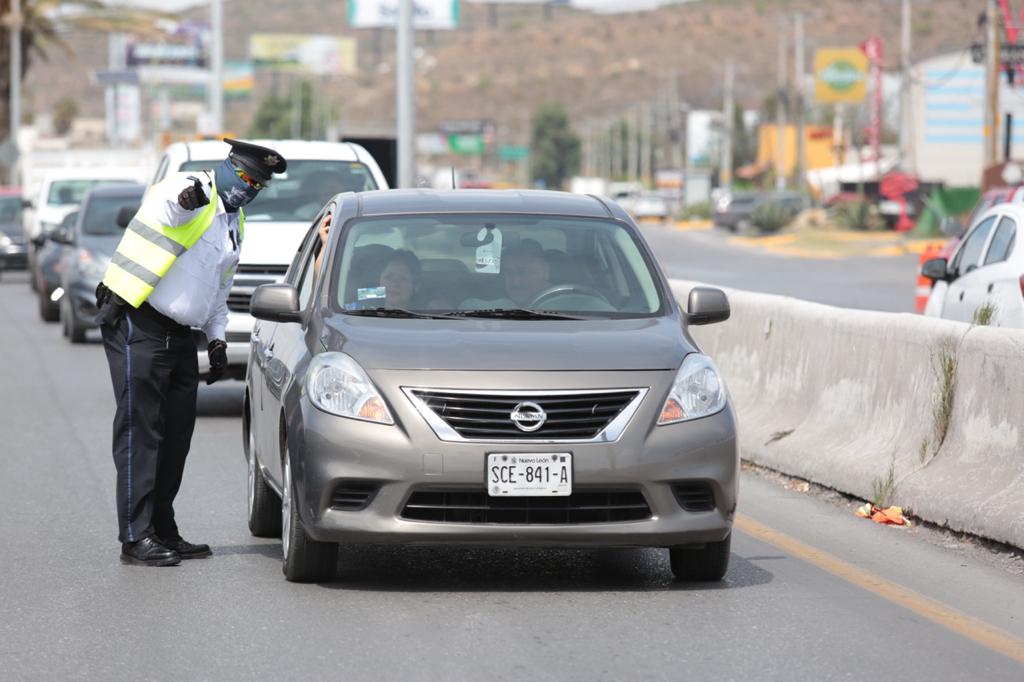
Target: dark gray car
(485, 367)
(736, 211)
(90, 242)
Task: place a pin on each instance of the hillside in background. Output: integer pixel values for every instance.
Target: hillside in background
(501, 64)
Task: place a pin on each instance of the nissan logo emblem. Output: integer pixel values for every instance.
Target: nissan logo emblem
(528, 416)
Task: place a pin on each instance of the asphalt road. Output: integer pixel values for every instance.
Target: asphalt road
(706, 256)
(833, 597)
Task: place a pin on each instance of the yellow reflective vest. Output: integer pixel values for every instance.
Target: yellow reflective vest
(149, 248)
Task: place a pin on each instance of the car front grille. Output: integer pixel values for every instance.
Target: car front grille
(570, 415)
(247, 278)
(694, 496)
(589, 506)
(353, 495)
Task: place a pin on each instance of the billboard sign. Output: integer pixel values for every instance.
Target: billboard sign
(296, 53)
(429, 14)
(840, 75)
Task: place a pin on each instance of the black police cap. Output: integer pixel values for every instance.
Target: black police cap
(260, 162)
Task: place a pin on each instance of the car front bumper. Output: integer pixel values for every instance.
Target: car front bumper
(329, 451)
(238, 335)
(14, 257)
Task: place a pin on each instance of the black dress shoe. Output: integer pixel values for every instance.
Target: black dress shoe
(186, 550)
(148, 552)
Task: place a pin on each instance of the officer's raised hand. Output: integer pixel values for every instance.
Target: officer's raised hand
(193, 197)
(217, 352)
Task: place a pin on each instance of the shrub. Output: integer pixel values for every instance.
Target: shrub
(772, 216)
(857, 215)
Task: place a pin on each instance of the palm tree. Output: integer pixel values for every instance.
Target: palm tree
(40, 34)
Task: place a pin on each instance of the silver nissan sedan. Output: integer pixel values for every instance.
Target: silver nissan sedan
(485, 367)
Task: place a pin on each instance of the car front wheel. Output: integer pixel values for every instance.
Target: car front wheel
(305, 559)
(706, 563)
(73, 329)
(264, 504)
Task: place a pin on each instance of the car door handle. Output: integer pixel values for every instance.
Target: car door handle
(990, 287)
(961, 295)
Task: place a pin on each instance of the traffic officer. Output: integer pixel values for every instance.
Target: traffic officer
(172, 271)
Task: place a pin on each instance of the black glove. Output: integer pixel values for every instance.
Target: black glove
(217, 351)
(193, 197)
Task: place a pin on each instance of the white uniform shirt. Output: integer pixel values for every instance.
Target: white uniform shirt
(194, 291)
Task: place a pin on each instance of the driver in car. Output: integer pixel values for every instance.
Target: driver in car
(525, 272)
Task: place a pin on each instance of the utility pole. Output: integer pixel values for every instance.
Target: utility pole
(406, 95)
(907, 160)
(216, 88)
(730, 114)
(634, 143)
(781, 103)
(675, 109)
(799, 67)
(991, 83)
(14, 109)
(646, 166)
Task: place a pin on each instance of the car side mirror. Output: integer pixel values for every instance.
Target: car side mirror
(936, 269)
(275, 303)
(27, 204)
(125, 215)
(63, 235)
(706, 305)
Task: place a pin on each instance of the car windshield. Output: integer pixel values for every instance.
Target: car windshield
(101, 214)
(495, 266)
(10, 211)
(299, 194)
(71, 192)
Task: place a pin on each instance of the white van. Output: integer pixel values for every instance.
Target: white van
(277, 219)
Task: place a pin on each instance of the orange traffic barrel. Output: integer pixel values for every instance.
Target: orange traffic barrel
(924, 285)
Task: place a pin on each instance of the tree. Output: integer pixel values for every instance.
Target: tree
(276, 114)
(41, 20)
(554, 147)
(64, 113)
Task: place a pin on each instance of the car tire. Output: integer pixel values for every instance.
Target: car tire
(707, 563)
(305, 559)
(72, 328)
(263, 503)
(48, 310)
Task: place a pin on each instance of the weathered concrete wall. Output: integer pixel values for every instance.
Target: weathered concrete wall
(840, 396)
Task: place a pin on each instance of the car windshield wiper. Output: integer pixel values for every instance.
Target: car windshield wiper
(513, 314)
(393, 312)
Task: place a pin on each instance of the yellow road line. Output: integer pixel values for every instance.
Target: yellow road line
(976, 630)
(693, 225)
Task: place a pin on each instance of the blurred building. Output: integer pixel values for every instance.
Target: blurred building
(948, 104)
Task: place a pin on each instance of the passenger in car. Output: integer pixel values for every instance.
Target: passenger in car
(525, 273)
(400, 278)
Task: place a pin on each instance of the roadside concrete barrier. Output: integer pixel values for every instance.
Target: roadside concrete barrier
(927, 412)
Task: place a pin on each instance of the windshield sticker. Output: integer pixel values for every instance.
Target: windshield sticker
(488, 254)
(371, 293)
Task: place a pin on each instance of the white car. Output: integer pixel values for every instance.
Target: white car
(59, 194)
(986, 271)
(277, 219)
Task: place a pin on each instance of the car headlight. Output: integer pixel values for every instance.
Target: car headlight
(337, 384)
(5, 241)
(698, 391)
(90, 266)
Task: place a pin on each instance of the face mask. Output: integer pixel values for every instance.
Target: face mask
(233, 190)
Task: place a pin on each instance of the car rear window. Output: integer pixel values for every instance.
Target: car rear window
(71, 192)
(298, 195)
(101, 214)
(438, 264)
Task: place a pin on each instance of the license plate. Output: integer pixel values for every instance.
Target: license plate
(546, 474)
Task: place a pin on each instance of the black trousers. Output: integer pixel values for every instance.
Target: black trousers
(155, 375)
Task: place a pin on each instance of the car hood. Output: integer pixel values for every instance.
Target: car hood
(509, 345)
(271, 243)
